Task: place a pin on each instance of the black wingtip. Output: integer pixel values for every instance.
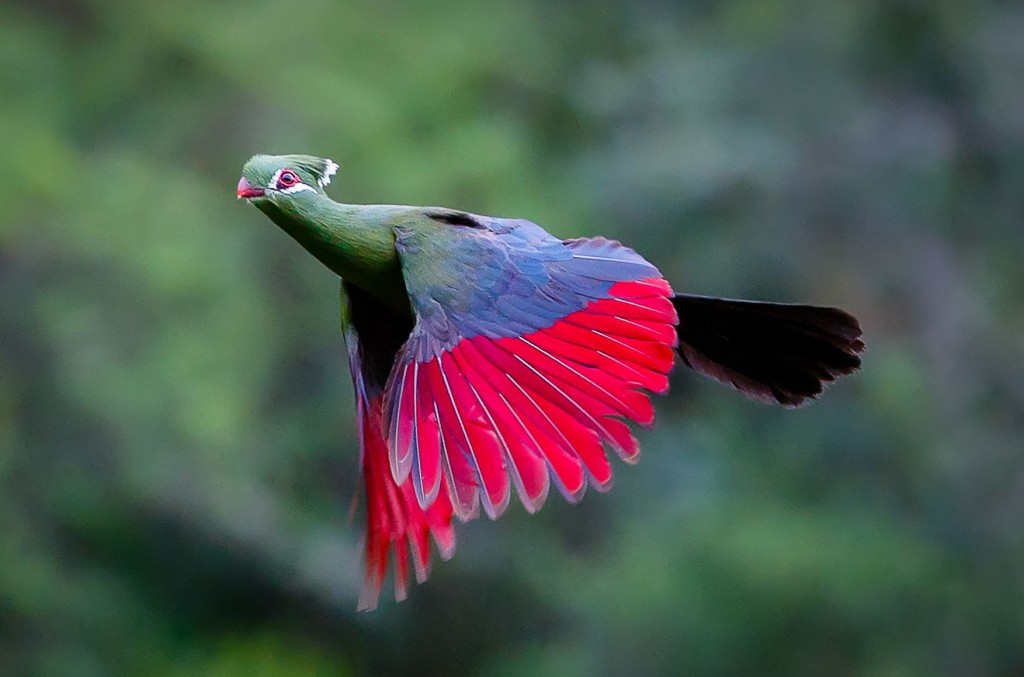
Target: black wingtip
(773, 352)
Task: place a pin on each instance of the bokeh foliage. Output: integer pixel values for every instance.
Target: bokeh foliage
(177, 441)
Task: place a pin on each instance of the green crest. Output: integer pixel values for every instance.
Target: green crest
(261, 170)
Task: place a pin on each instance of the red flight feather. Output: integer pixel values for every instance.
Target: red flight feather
(394, 519)
(495, 412)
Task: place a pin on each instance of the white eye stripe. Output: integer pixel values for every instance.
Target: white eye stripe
(330, 169)
(297, 188)
(290, 190)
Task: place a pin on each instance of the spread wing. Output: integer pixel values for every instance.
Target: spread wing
(527, 354)
(395, 522)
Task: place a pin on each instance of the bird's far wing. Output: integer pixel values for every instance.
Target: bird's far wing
(527, 354)
(394, 518)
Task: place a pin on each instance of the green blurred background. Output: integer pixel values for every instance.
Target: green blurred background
(177, 438)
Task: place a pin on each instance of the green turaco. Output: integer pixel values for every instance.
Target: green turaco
(492, 359)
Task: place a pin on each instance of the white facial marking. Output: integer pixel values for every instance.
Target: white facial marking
(273, 180)
(290, 190)
(329, 170)
(297, 188)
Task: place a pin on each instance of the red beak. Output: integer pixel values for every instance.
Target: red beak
(246, 189)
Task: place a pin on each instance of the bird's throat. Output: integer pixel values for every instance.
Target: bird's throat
(351, 240)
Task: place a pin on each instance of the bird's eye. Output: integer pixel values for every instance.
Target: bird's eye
(287, 179)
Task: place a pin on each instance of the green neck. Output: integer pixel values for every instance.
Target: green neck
(354, 241)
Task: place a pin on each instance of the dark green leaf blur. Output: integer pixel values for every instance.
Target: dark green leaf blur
(178, 456)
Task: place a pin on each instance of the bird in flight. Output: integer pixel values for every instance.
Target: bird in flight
(491, 358)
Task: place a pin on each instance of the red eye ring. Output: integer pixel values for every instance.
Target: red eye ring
(287, 179)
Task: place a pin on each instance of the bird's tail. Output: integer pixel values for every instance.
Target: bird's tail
(774, 352)
(394, 519)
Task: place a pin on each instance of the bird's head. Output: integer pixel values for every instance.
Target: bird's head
(283, 178)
